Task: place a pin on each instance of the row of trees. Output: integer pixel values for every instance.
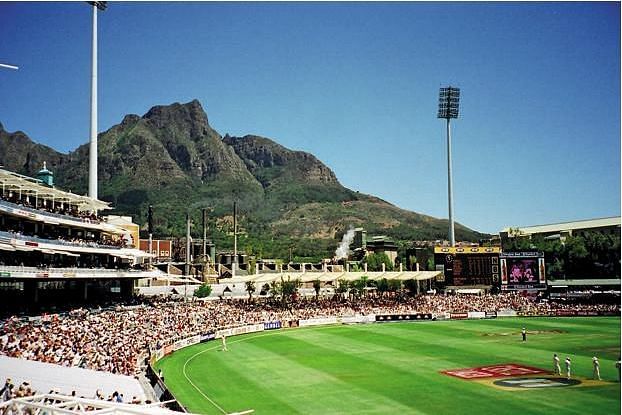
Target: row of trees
(286, 290)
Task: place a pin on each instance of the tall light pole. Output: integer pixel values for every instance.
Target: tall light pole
(97, 5)
(234, 265)
(448, 102)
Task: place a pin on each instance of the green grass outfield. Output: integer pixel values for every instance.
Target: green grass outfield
(393, 368)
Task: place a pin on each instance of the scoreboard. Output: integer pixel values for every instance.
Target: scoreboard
(468, 266)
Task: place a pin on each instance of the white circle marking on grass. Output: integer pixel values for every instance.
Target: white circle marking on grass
(232, 342)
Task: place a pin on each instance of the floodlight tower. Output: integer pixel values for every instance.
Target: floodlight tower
(97, 5)
(448, 102)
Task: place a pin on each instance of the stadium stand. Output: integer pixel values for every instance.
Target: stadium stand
(44, 377)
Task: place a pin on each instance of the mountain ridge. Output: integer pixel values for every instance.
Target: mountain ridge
(170, 157)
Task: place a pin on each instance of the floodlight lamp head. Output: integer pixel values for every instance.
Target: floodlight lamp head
(101, 5)
(448, 102)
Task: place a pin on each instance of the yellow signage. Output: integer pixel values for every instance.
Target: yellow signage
(467, 250)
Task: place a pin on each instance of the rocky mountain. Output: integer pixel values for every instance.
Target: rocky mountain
(171, 158)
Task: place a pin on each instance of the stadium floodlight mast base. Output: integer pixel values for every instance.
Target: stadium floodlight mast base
(448, 103)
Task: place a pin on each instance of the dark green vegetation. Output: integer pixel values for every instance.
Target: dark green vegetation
(204, 290)
(172, 158)
(393, 368)
(589, 255)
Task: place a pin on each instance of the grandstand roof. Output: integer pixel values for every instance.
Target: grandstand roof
(333, 276)
(565, 226)
(31, 186)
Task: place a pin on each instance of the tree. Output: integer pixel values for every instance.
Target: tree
(395, 285)
(375, 261)
(250, 289)
(411, 286)
(431, 265)
(275, 289)
(412, 262)
(382, 286)
(357, 287)
(317, 284)
(342, 287)
(203, 291)
(289, 289)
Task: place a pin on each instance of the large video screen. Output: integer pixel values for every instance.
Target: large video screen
(522, 271)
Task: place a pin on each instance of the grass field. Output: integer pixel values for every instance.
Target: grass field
(393, 368)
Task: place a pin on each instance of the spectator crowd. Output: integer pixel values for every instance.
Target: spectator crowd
(117, 340)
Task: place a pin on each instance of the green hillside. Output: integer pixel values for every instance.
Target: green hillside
(172, 159)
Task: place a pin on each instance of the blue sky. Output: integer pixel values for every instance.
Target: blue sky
(356, 84)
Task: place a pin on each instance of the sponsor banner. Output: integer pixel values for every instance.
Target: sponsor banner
(440, 316)
(585, 313)
(317, 321)
(565, 313)
(476, 314)
(371, 318)
(180, 344)
(207, 337)
(272, 325)
(168, 349)
(23, 213)
(608, 313)
(42, 275)
(506, 313)
(235, 331)
(458, 316)
(490, 314)
(403, 317)
(494, 371)
(504, 272)
(5, 274)
(159, 354)
(539, 382)
(542, 272)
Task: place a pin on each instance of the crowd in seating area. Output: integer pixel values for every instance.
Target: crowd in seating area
(54, 236)
(117, 340)
(10, 391)
(57, 208)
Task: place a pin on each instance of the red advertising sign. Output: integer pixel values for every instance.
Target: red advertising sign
(495, 371)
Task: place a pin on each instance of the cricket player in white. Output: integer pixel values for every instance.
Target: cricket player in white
(596, 366)
(224, 343)
(568, 367)
(556, 368)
